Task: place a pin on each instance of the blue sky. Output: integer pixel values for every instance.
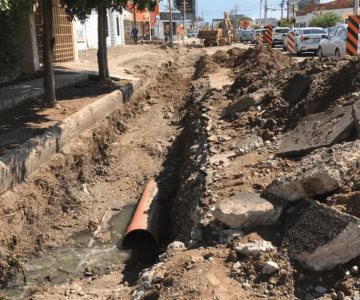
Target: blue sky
(212, 9)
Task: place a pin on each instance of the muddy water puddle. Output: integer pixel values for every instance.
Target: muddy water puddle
(60, 265)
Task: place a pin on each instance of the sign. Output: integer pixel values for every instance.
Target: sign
(245, 24)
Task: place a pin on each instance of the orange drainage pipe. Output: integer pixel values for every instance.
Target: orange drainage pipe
(144, 225)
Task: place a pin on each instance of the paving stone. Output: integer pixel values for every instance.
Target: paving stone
(322, 237)
(318, 130)
(247, 209)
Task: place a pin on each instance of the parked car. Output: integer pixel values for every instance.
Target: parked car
(256, 33)
(334, 44)
(244, 35)
(285, 35)
(308, 39)
(278, 35)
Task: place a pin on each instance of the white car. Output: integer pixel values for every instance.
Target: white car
(334, 44)
(308, 39)
(278, 35)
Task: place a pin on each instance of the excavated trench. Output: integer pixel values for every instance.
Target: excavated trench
(179, 179)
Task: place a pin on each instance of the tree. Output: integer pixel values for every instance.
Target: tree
(81, 9)
(328, 19)
(48, 53)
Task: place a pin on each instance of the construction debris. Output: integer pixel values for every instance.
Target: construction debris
(318, 130)
(247, 210)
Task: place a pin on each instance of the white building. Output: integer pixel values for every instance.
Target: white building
(304, 20)
(87, 33)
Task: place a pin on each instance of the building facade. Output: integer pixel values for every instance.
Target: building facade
(343, 8)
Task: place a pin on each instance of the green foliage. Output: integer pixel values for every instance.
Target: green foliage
(328, 19)
(284, 23)
(81, 9)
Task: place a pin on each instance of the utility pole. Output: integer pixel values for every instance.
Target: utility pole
(184, 14)
(288, 11)
(265, 12)
(356, 7)
(171, 25)
(282, 12)
(260, 11)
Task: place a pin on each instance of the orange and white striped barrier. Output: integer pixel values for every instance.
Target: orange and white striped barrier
(352, 39)
(268, 35)
(144, 225)
(291, 42)
(261, 39)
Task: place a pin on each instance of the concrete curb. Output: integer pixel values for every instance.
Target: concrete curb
(30, 90)
(19, 164)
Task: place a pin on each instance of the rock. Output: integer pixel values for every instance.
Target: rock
(322, 238)
(355, 270)
(321, 172)
(333, 296)
(248, 144)
(236, 266)
(254, 248)
(340, 295)
(318, 130)
(320, 289)
(270, 267)
(244, 103)
(356, 116)
(246, 209)
(297, 88)
(176, 246)
(146, 108)
(85, 189)
(229, 234)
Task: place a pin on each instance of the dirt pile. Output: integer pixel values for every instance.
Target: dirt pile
(203, 66)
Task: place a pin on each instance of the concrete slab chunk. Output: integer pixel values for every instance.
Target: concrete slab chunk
(318, 130)
(297, 88)
(356, 116)
(322, 238)
(247, 210)
(323, 171)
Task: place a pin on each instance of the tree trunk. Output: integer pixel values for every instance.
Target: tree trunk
(102, 47)
(49, 42)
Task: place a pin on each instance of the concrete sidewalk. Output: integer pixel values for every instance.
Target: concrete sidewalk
(13, 95)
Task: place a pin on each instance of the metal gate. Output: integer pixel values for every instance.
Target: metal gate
(64, 40)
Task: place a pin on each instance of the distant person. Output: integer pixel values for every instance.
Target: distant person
(181, 32)
(134, 34)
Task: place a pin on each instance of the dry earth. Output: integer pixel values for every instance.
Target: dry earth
(207, 129)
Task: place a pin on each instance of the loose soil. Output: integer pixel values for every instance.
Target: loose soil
(178, 133)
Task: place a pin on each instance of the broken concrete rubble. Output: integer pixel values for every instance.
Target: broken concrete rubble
(356, 116)
(323, 171)
(318, 130)
(248, 144)
(246, 209)
(244, 103)
(254, 248)
(297, 88)
(322, 238)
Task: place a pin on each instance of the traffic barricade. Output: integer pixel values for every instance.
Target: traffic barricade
(268, 35)
(352, 35)
(291, 42)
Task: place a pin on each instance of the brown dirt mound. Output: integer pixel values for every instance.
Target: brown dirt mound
(203, 66)
(227, 58)
(265, 59)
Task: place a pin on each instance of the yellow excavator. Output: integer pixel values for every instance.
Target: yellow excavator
(221, 33)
